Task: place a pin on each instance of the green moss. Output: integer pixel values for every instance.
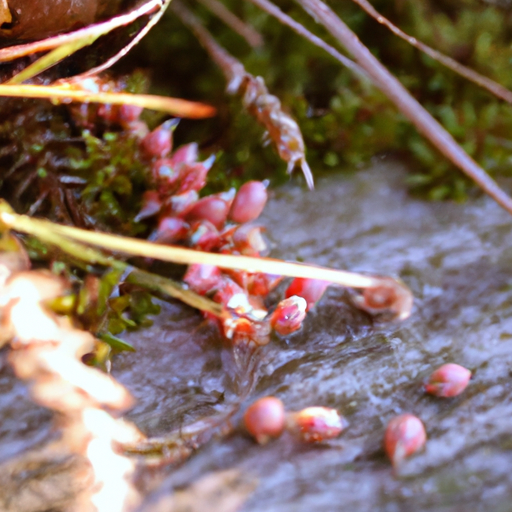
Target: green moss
(116, 176)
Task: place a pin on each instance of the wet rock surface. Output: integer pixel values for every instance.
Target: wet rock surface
(456, 259)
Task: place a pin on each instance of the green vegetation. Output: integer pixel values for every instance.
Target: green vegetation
(344, 121)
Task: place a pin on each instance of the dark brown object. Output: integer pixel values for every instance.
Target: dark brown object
(37, 19)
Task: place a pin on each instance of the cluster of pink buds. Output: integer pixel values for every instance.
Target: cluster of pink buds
(211, 223)
(266, 419)
(219, 223)
(405, 434)
(88, 114)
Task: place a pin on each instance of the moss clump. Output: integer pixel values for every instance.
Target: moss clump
(115, 173)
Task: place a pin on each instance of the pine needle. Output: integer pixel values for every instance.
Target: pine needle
(64, 94)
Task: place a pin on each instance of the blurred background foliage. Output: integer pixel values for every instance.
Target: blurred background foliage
(344, 121)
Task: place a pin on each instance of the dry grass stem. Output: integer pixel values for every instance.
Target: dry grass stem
(396, 92)
(252, 36)
(398, 297)
(263, 106)
(64, 94)
(273, 10)
(492, 86)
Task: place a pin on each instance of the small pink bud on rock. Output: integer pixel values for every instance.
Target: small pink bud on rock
(405, 435)
(316, 424)
(379, 298)
(448, 380)
(265, 419)
(310, 289)
(288, 315)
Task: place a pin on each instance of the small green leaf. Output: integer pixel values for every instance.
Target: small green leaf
(115, 342)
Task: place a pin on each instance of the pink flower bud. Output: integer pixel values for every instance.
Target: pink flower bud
(265, 419)
(229, 294)
(260, 284)
(128, 113)
(405, 435)
(203, 236)
(170, 230)
(180, 203)
(247, 240)
(448, 380)
(186, 154)
(164, 174)
(249, 202)
(202, 278)
(151, 205)
(242, 331)
(379, 298)
(192, 177)
(289, 315)
(158, 143)
(309, 289)
(209, 208)
(316, 424)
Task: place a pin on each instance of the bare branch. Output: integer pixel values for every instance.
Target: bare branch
(273, 10)
(265, 107)
(251, 35)
(492, 86)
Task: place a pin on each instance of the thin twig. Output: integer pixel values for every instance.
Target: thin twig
(380, 293)
(396, 92)
(110, 62)
(14, 52)
(186, 256)
(492, 86)
(251, 35)
(273, 10)
(266, 108)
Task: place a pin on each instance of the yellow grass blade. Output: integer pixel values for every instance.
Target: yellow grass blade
(173, 106)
